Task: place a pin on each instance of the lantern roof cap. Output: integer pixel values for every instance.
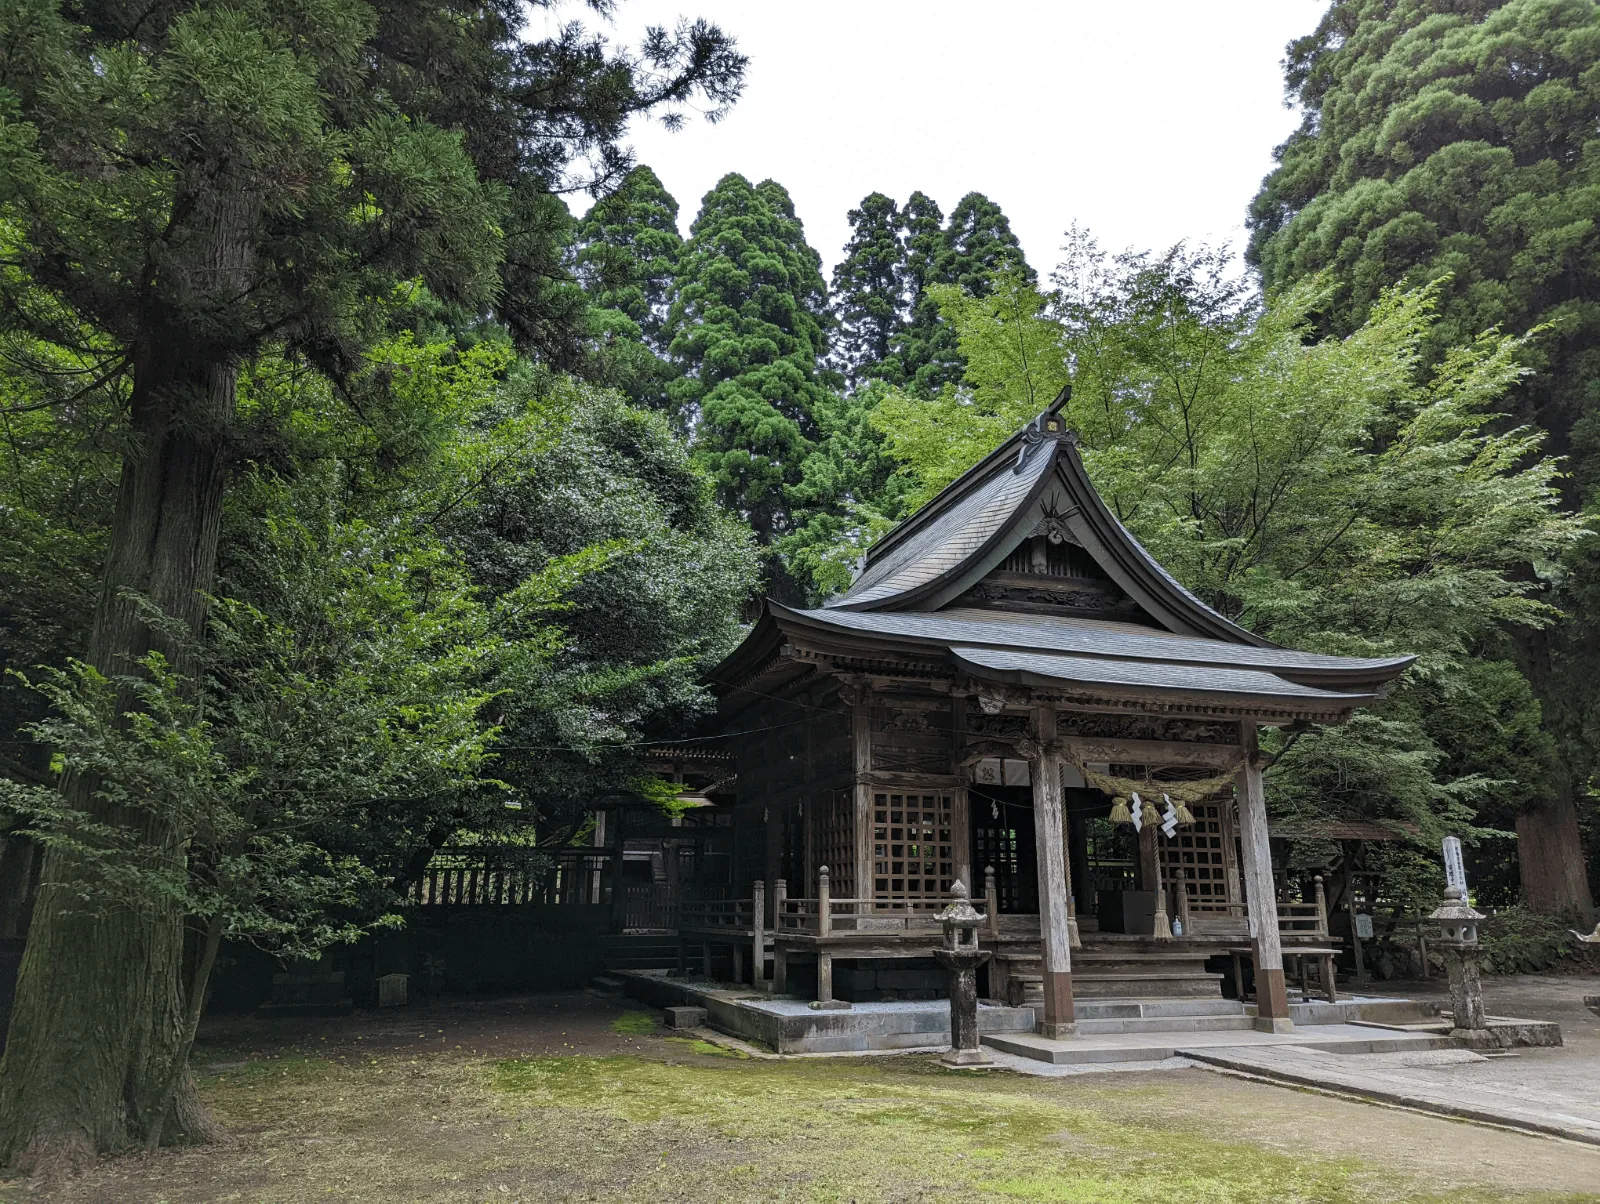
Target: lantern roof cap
(1455, 907)
(960, 913)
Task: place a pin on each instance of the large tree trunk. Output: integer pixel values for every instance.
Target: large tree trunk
(99, 1011)
(1555, 877)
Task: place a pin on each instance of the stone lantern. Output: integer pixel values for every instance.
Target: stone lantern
(962, 957)
(1460, 948)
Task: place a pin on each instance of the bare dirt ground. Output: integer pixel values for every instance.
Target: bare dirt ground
(568, 1097)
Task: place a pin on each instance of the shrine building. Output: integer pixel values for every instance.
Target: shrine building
(1013, 693)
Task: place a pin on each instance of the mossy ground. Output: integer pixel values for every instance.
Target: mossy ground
(572, 1099)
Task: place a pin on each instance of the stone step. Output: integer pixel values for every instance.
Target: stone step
(1119, 986)
(607, 985)
(1166, 1024)
(1155, 1046)
(1155, 1009)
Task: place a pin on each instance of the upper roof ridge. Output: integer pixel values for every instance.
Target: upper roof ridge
(962, 485)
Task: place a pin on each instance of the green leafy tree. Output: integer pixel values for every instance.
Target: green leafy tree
(184, 188)
(749, 324)
(1336, 495)
(851, 491)
(869, 305)
(656, 606)
(1456, 142)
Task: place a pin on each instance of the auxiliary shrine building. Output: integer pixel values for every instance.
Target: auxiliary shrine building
(1014, 694)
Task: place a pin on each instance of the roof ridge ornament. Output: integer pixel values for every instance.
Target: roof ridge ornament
(1047, 427)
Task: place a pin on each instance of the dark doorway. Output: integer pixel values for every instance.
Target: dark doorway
(1002, 837)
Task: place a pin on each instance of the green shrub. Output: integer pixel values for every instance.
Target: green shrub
(1518, 941)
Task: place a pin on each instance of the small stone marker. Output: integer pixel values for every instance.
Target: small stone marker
(685, 1017)
(392, 990)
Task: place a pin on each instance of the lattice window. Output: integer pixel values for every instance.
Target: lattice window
(1197, 857)
(836, 844)
(913, 847)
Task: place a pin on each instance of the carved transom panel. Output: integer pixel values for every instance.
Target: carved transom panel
(1147, 727)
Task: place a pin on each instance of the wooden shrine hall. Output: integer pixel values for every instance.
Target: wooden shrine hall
(1013, 693)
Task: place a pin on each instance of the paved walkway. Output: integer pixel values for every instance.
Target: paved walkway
(1555, 1090)
(1527, 1089)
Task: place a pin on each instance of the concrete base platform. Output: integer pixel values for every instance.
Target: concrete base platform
(1156, 1046)
(793, 1026)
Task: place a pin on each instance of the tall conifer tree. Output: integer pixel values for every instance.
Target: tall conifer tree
(748, 323)
(628, 253)
(868, 302)
(1448, 139)
(976, 243)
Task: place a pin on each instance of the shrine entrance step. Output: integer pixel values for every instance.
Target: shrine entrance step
(1089, 1048)
(1148, 970)
(1162, 1016)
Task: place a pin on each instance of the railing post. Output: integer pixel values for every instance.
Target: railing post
(758, 938)
(824, 905)
(1322, 908)
(991, 900)
(780, 896)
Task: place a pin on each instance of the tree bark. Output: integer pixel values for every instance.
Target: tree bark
(99, 1011)
(1555, 878)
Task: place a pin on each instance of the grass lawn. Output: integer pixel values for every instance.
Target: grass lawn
(576, 1100)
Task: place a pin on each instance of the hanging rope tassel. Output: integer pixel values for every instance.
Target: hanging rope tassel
(1152, 817)
(1119, 811)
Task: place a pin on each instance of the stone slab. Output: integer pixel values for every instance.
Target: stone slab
(793, 1026)
(1520, 1095)
(1157, 1046)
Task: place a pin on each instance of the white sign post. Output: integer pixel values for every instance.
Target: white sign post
(1455, 869)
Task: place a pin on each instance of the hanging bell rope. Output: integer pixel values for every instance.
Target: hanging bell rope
(1180, 794)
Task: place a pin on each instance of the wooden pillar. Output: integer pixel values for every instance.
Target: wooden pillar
(780, 955)
(619, 890)
(1073, 940)
(960, 804)
(758, 938)
(1059, 1017)
(1272, 995)
(861, 747)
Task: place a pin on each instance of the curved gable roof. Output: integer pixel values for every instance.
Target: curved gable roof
(931, 557)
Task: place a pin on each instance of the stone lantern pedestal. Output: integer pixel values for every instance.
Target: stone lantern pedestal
(962, 957)
(1459, 945)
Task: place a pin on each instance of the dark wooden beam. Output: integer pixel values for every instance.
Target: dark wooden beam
(1149, 752)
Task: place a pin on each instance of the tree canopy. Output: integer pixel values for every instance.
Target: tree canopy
(749, 324)
(1453, 145)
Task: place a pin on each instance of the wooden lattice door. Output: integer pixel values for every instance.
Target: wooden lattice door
(1003, 839)
(1200, 857)
(913, 849)
(834, 843)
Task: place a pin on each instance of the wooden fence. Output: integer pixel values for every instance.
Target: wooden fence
(507, 875)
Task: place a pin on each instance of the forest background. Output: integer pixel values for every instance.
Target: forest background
(357, 497)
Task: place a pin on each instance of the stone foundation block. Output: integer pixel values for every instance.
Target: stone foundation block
(685, 1017)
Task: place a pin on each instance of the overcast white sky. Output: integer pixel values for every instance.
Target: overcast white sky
(1147, 121)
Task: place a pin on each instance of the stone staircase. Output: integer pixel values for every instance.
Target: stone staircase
(1163, 1016)
(1121, 969)
(639, 951)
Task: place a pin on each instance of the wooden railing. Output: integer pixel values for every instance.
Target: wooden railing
(1296, 919)
(490, 875)
(828, 913)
